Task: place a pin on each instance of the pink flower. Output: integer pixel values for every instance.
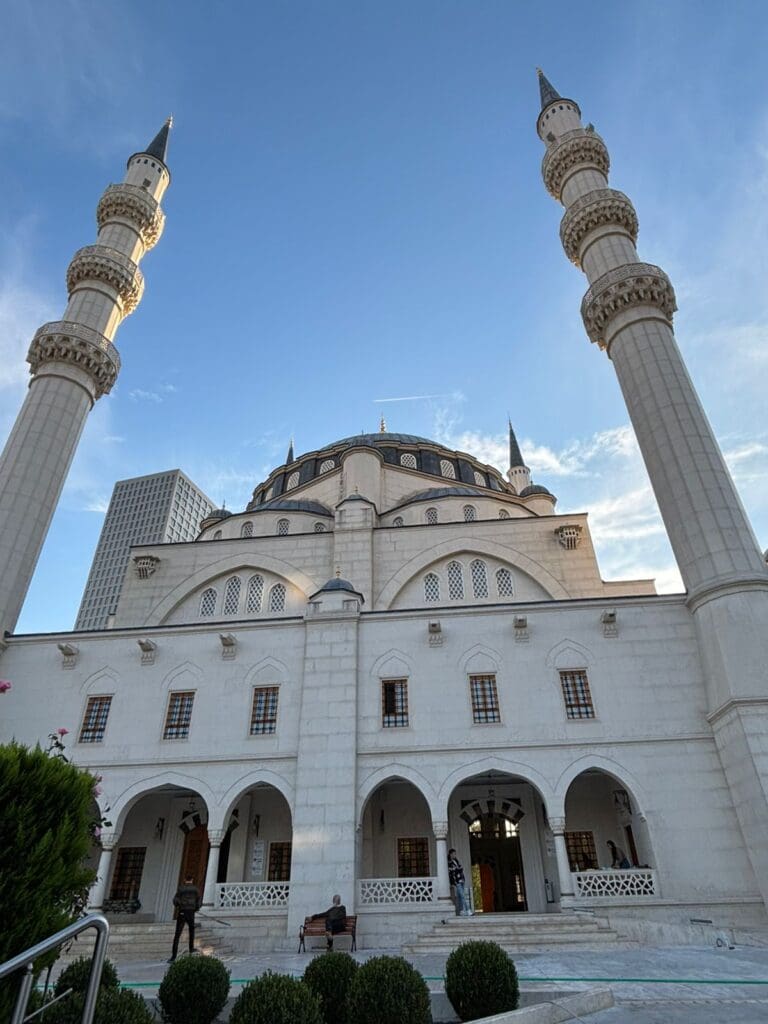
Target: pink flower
(62, 732)
(4, 686)
(97, 791)
(97, 833)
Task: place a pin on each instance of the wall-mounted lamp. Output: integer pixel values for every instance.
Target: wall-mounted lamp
(256, 824)
(159, 828)
(610, 626)
(435, 631)
(148, 650)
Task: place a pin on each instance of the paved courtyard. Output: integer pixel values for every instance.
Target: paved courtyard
(680, 985)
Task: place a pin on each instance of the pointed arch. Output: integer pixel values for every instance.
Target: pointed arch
(565, 649)
(123, 803)
(230, 798)
(179, 670)
(615, 769)
(393, 662)
(267, 670)
(94, 679)
(391, 772)
(495, 764)
(485, 659)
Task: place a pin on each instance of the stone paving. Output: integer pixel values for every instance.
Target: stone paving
(680, 985)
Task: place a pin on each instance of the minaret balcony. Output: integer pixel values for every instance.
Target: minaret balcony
(133, 204)
(603, 207)
(636, 284)
(113, 268)
(63, 341)
(577, 148)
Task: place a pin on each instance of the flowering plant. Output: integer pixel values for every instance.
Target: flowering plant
(5, 686)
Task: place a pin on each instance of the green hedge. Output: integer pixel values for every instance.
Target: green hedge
(388, 990)
(481, 980)
(330, 976)
(194, 990)
(276, 999)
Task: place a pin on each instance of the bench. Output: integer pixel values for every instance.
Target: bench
(315, 929)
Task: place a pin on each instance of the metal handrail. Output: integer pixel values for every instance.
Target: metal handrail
(27, 959)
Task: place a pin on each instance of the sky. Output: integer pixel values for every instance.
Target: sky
(357, 226)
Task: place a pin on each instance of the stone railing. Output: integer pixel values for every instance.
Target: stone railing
(615, 885)
(389, 892)
(252, 895)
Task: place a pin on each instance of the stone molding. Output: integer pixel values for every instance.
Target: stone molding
(67, 342)
(575, 148)
(636, 284)
(217, 836)
(557, 825)
(102, 263)
(604, 206)
(136, 205)
(440, 829)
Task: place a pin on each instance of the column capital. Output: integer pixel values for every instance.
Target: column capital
(109, 840)
(557, 825)
(440, 829)
(216, 836)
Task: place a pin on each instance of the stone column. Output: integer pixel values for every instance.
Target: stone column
(109, 841)
(440, 829)
(563, 864)
(215, 838)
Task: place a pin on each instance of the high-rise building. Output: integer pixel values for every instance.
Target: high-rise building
(162, 508)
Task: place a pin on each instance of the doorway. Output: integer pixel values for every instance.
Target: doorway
(498, 882)
(194, 857)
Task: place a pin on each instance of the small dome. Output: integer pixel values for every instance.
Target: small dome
(219, 513)
(337, 584)
(528, 492)
(445, 492)
(289, 505)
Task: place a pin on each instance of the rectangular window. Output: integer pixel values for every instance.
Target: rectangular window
(279, 862)
(126, 879)
(394, 703)
(413, 857)
(179, 714)
(264, 710)
(578, 700)
(95, 719)
(485, 699)
(581, 850)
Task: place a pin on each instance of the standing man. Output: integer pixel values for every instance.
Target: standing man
(457, 880)
(335, 919)
(187, 902)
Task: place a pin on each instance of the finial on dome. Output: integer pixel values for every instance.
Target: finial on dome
(338, 572)
(383, 425)
(547, 91)
(290, 456)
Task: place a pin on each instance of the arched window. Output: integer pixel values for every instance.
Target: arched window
(253, 595)
(479, 578)
(447, 469)
(470, 513)
(293, 480)
(504, 583)
(479, 478)
(431, 516)
(277, 598)
(232, 595)
(503, 514)
(208, 602)
(282, 527)
(319, 528)
(327, 465)
(247, 530)
(408, 460)
(217, 535)
(455, 581)
(397, 521)
(431, 587)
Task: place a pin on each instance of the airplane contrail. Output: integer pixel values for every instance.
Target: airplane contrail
(411, 398)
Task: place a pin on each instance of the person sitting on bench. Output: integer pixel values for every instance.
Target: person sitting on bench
(335, 919)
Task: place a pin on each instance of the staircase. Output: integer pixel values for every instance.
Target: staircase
(153, 941)
(516, 932)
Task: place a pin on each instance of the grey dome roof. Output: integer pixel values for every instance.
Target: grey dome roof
(219, 513)
(335, 585)
(374, 440)
(535, 489)
(445, 492)
(289, 505)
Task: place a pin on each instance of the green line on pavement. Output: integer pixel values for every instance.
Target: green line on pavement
(625, 981)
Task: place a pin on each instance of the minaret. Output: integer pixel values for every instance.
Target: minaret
(73, 363)
(628, 311)
(518, 473)
(290, 456)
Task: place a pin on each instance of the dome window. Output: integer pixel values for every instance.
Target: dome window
(319, 528)
(247, 530)
(293, 480)
(503, 514)
(208, 602)
(217, 535)
(455, 581)
(479, 479)
(431, 588)
(277, 598)
(479, 578)
(504, 583)
(232, 596)
(282, 527)
(327, 465)
(397, 521)
(408, 460)
(447, 469)
(253, 595)
(431, 516)
(470, 513)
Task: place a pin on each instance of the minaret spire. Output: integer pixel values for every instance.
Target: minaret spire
(290, 456)
(74, 362)
(158, 147)
(518, 473)
(547, 91)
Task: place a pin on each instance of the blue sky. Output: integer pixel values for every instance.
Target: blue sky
(357, 213)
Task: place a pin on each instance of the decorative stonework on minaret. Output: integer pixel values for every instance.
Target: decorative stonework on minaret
(73, 363)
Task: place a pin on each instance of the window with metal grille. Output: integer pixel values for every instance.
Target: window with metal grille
(264, 710)
(431, 587)
(397, 521)
(408, 460)
(504, 583)
(179, 714)
(503, 514)
(578, 700)
(247, 530)
(282, 527)
(470, 513)
(208, 602)
(95, 719)
(455, 581)
(319, 528)
(232, 595)
(253, 595)
(277, 598)
(327, 465)
(126, 879)
(447, 469)
(485, 699)
(581, 850)
(479, 578)
(413, 857)
(479, 478)
(394, 703)
(279, 862)
(293, 481)
(431, 516)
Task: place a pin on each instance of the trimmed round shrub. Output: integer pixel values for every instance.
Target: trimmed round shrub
(481, 980)
(76, 974)
(194, 990)
(113, 1006)
(388, 990)
(276, 999)
(330, 976)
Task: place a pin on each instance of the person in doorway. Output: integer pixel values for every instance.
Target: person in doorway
(187, 903)
(335, 919)
(457, 880)
(619, 858)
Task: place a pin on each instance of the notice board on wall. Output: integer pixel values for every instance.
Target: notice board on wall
(258, 860)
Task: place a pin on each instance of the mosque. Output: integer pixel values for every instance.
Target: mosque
(395, 649)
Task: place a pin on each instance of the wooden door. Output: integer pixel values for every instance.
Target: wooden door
(194, 857)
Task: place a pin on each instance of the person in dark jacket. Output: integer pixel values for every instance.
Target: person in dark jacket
(458, 881)
(187, 902)
(335, 919)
